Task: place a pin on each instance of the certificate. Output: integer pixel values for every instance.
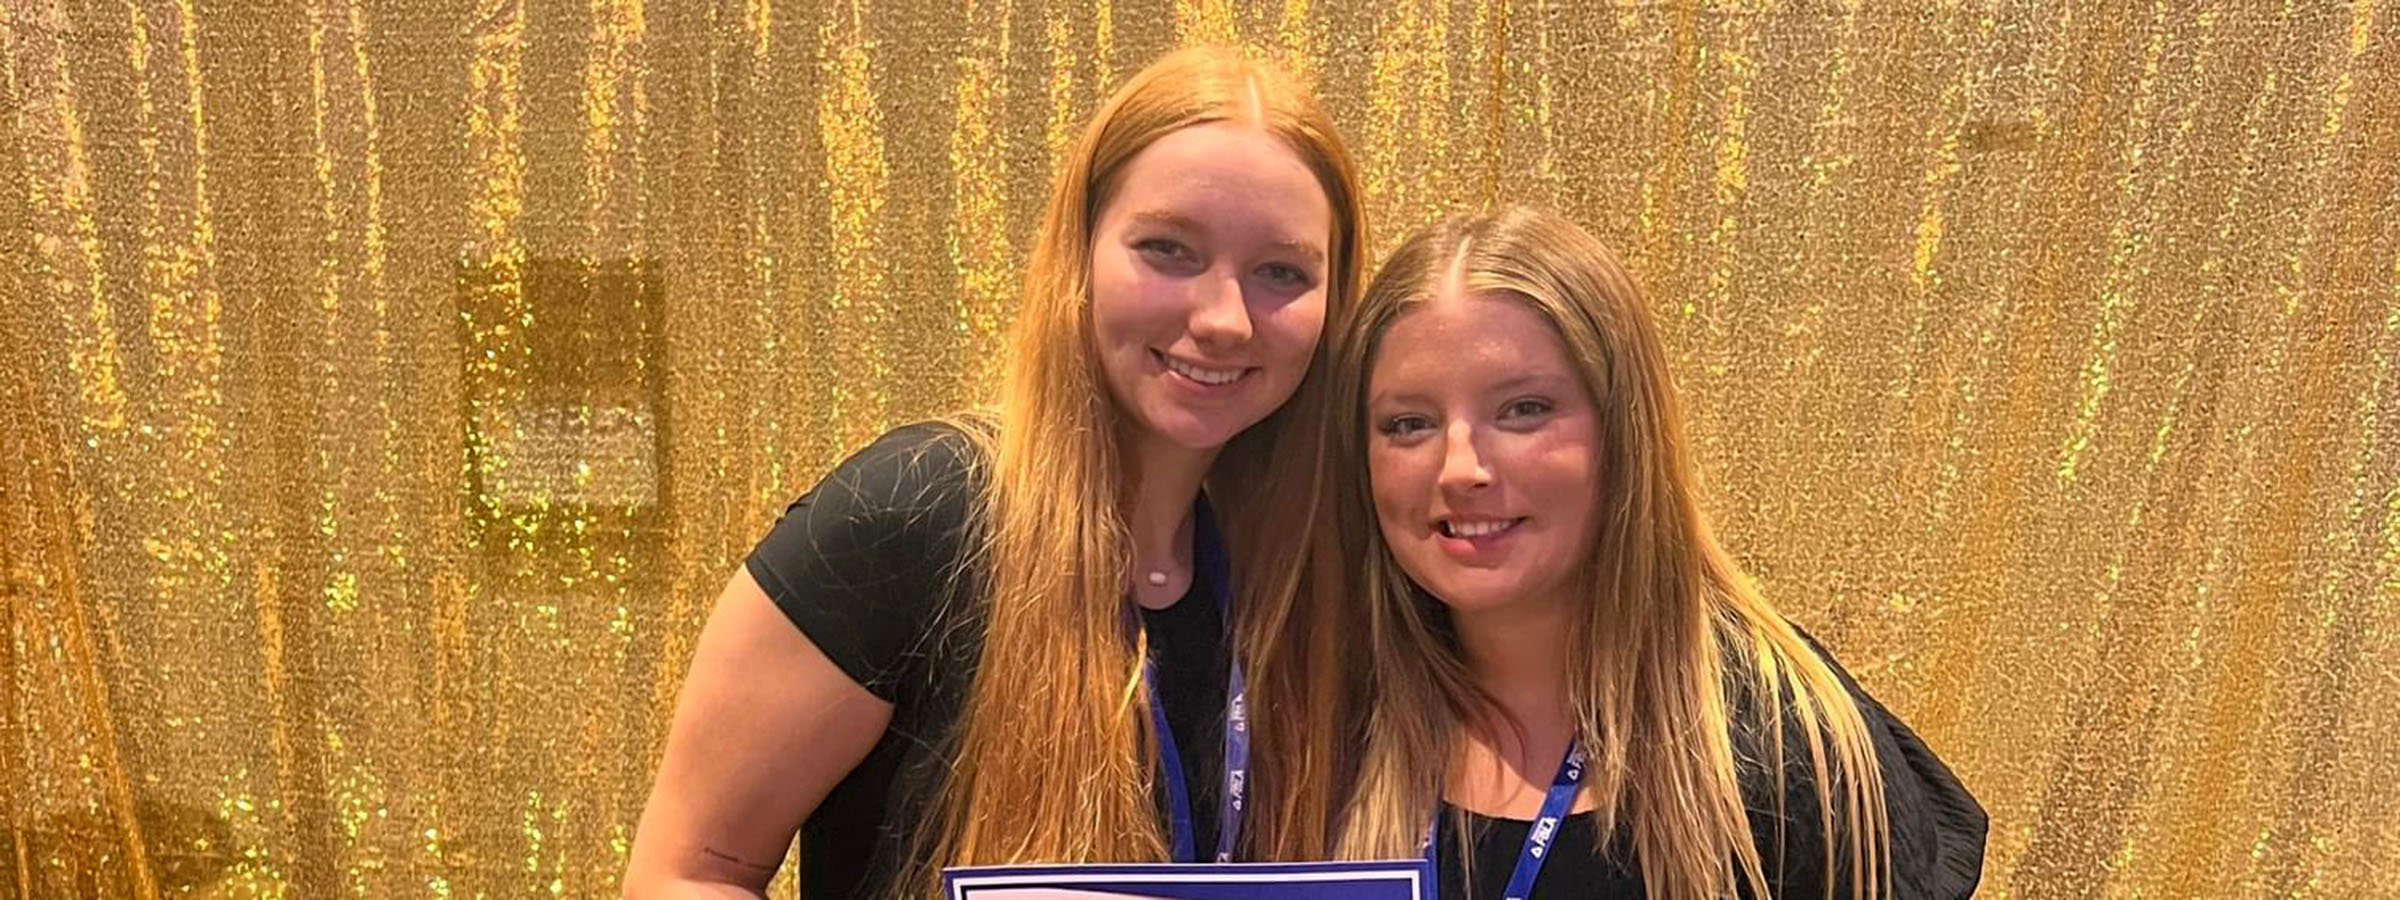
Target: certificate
(1379, 880)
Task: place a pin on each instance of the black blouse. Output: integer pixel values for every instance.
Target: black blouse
(1937, 827)
(872, 565)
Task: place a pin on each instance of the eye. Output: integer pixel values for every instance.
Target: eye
(1404, 426)
(1288, 276)
(1525, 408)
(1162, 248)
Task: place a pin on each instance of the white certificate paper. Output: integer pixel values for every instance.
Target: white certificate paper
(1378, 880)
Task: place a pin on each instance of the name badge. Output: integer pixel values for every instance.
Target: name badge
(1399, 879)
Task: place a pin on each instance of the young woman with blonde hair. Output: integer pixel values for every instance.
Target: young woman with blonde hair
(1016, 638)
(1572, 680)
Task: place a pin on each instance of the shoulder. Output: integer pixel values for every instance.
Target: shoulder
(896, 511)
(1937, 827)
(912, 467)
(916, 483)
(874, 558)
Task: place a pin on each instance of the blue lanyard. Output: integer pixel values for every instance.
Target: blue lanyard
(1210, 555)
(1555, 805)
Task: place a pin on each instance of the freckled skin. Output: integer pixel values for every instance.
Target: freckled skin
(1212, 253)
(1476, 414)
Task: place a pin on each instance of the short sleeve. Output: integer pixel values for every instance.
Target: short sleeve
(865, 562)
(1937, 828)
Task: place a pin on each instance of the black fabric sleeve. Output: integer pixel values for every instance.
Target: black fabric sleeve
(864, 563)
(1937, 828)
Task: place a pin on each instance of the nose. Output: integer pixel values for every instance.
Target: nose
(1220, 318)
(1463, 466)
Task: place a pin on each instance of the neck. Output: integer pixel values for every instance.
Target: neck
(1518, 655)
(1162, 479)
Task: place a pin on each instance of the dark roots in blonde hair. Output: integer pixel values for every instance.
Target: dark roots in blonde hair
(1675, 642)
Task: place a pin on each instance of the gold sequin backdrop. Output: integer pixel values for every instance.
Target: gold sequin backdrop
(390, 385)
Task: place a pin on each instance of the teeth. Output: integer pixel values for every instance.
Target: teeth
(1204, 376)
(1478, 529)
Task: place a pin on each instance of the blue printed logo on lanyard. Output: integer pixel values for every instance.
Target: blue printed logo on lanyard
(1218, 573)
(1537, 841)
(1556, 804)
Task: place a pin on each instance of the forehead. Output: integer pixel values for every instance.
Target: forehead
(1226, 171)
(1453, 339)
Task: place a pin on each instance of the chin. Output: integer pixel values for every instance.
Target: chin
(1469, 594)
(1472, 601)
(1195, 433)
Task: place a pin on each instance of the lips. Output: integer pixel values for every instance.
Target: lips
(1475, 539)
(1475, 527)
(1200, 375)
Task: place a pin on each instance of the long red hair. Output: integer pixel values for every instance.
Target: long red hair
(1054, 758)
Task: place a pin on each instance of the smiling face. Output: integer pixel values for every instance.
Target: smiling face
(1483, 452)
(1208, 282)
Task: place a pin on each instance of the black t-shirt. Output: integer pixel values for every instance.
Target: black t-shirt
(1937, 828)
(873, 565)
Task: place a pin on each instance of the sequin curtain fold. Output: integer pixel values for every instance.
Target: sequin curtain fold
(390, 385)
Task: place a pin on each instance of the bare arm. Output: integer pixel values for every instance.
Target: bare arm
(765, 727)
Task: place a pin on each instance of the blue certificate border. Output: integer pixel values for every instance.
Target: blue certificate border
(964, 883)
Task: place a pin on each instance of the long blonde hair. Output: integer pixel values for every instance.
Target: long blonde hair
(1670, 626)
(1054, 757)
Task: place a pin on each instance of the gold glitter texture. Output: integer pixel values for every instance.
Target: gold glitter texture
(393, 383)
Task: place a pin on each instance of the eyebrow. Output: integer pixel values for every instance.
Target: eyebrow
(1529, 379)
(1388, 398)
(1167, 219)
(1304, 248)
(1180, 222)
(1511, 383)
